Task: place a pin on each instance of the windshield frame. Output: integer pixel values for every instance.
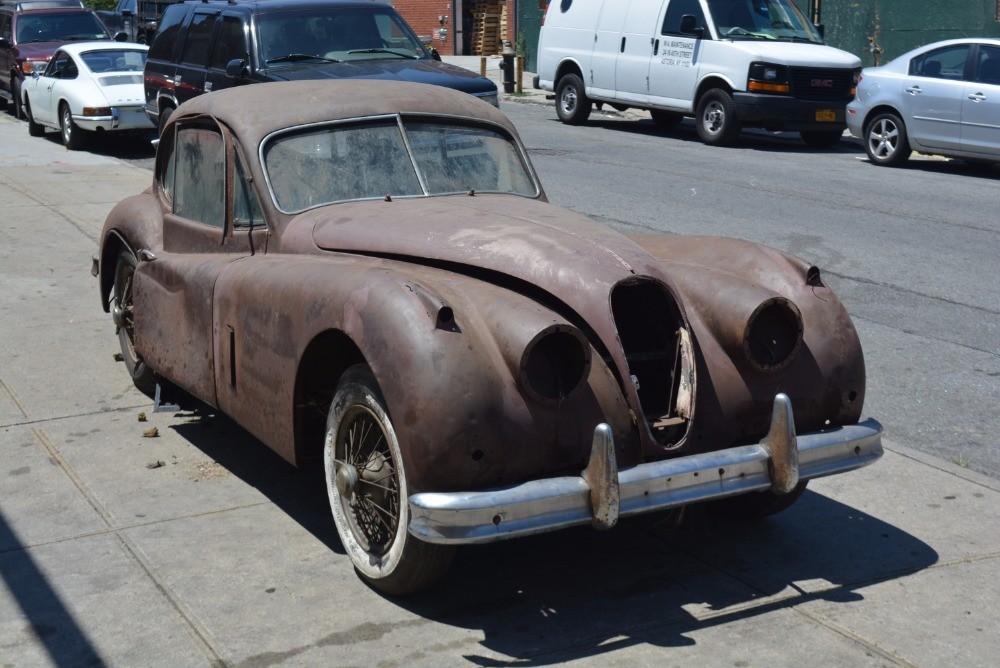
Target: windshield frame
(400, 120)
(805, 31)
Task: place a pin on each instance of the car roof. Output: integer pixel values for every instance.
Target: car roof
(76, 48)
(255, 111)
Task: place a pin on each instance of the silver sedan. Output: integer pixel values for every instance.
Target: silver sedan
(943, 99)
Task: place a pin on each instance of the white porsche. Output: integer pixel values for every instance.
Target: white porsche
(88, 87)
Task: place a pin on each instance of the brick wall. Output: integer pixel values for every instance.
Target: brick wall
(423, 17)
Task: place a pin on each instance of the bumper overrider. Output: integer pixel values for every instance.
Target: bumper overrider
(602, 493)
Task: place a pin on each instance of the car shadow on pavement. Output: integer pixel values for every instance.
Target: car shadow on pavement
(122, 146)
(581, 593)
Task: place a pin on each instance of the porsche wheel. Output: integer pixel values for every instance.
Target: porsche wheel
(572, 104)
(34, 129)
(72, 136)
(122, 311)
(367, 486)
(886, 141)
(715, 118)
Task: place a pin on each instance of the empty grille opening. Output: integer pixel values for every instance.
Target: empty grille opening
(648, 323)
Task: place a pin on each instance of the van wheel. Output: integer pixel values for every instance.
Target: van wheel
(821, 138)
(665, 119)
(715, 118)
(572, 104)
(886, 141)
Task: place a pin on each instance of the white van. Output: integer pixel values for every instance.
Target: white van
(728, 63)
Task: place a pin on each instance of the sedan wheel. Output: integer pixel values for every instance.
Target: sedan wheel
(72, 136)
(886, 141)
(367, 486)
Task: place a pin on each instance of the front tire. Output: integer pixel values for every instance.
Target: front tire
(72, 136)
(885, 140)
(15, 92)
(34, 129)
(367, 486)
(715, 118)
(124, 317)
(164, 117)
(572, 104)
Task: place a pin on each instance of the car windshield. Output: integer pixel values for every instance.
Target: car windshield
(762, 19)
(59, 27)
(117, 60)
(335, 34)
(392, 157)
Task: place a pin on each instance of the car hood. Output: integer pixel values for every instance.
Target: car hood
(416, 71)
(38, 50)
(797, 54)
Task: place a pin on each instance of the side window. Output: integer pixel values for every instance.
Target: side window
(231, 42)
(246, 207)
(62, 67)
(162, 47)
(199, 176)
(946, 63)
(199, 39)
(5, 26)
(988, 68)
(676, 10)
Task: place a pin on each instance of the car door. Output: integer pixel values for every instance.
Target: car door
(45, 92)
(189, 80)
(6, 59)
(931, 96)
(607, 43)
(230, 44)
(673, 70)
(635, 50)
(174, 287)
(981, 104)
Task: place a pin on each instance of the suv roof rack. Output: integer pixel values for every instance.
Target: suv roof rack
(20, 5)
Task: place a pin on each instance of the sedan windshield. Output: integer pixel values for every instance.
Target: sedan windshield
(762, 19)
(59, 27)
(392, 157)
(334, 34)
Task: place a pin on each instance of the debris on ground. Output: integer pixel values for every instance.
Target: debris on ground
(155, 465)
(141, 417)
(152, 432)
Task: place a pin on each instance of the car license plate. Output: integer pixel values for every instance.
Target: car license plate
(825, 115)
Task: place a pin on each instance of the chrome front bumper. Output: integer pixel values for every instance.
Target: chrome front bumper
(602, 493)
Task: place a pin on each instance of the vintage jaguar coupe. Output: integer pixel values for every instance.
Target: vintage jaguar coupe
(369, 273)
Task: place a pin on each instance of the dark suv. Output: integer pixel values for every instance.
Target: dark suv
(31, 30)
(212, 44)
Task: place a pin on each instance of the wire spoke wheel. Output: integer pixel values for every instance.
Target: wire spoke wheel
(123, 315)
(368, 490)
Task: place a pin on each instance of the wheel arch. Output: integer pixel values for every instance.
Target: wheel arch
(324, 361)
(114, 243)
(881, 109)
(569, 66)
(707, 84)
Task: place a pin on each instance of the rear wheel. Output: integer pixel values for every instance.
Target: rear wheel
(367, 486)
(715, 118)
(15, 92)
(34, 129)
(821, 138)
(885, 140)
(123, 314)
(572, 104)
(72, 136)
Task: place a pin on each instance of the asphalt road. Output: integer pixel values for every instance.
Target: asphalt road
(913, 252)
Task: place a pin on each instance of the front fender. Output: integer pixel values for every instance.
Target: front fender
(462, 420)
(133, 223)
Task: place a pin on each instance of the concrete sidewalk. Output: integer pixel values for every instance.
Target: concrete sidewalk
(201, 547)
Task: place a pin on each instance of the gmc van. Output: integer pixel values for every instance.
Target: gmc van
(728, 63)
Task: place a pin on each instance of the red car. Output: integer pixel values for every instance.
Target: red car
(369, 274)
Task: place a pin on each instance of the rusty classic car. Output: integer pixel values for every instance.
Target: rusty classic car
(369, 273)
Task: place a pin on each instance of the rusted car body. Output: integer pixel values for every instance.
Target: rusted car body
(370, 272)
